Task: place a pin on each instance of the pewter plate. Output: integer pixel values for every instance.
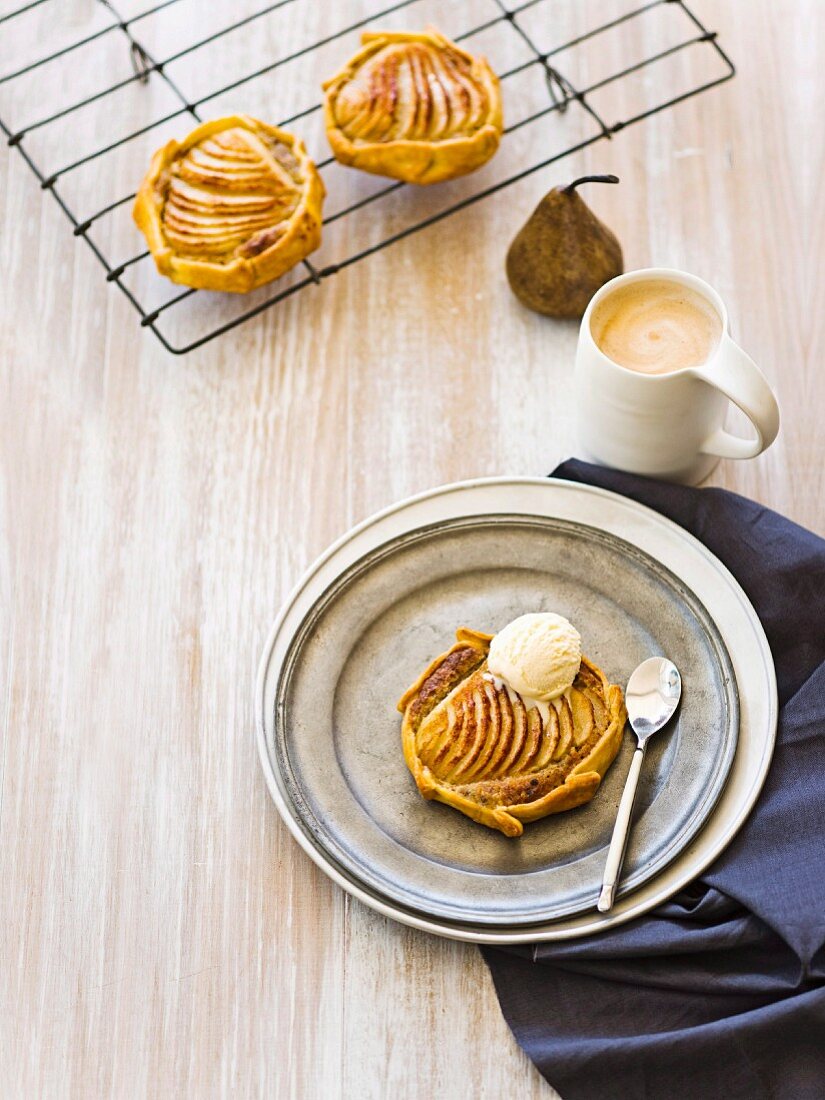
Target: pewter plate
(336, 745)
(669, 545)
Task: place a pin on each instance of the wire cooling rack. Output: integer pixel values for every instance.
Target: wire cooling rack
(90, 88)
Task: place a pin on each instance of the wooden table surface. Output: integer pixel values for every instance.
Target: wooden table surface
(160, 932)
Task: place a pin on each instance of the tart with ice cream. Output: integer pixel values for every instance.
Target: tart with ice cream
(511, 727)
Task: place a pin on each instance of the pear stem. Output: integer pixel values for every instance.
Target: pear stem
(571, 187)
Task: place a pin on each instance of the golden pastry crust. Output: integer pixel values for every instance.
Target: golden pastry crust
(415, 107)
(233, 206)
(474, 746)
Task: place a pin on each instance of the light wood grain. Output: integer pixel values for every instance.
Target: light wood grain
(160, 932)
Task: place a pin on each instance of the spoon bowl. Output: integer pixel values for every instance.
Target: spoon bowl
(653, 693)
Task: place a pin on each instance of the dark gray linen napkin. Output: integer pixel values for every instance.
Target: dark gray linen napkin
(719, 993)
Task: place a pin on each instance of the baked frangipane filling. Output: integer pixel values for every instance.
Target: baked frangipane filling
(415, 107)
(233, 206)
(475, 744)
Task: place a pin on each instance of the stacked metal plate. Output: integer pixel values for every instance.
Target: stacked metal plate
(384, 600)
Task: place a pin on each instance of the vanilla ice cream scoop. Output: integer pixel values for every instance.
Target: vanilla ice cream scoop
(537, 655)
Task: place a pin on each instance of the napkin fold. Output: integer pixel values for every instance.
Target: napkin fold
(720, 992)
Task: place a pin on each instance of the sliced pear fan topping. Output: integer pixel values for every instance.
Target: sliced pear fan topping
(482, 732)
(412, 91)
(227, 193)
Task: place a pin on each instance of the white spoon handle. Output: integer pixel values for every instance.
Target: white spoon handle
(621, 829)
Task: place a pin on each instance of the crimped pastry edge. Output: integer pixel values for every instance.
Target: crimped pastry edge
(243, 274)
(419, 162)
(578, 788)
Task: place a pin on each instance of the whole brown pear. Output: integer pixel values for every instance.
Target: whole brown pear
(563, 253)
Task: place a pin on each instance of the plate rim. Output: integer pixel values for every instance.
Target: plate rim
(577, 925)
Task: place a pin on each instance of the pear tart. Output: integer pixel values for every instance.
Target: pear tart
(472, 743)
(415, 107)
(233, 206)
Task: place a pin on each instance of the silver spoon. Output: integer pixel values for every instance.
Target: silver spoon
(653, 693)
